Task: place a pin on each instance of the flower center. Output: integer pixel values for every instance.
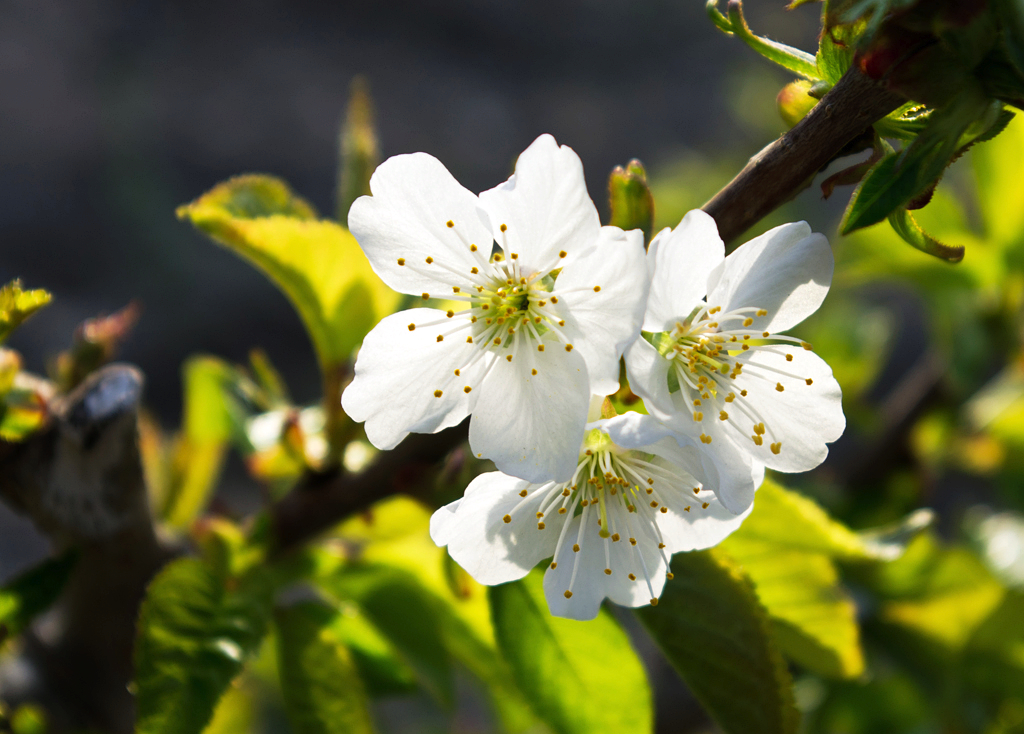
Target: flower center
(624, 492)
(707, 355)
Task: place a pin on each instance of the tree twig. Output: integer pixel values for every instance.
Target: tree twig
(784, 168)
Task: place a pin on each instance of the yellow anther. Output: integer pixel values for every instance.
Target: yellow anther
(715, 310)
(458, 372)
(497, 340)
(650, 480)
(474, 270)
(632, 541)
(615, 537)
(507, 519)
(654, 503)
(597, 289)
(747, 322)
(730, 397)
(540, 347)
(743, 393)
(806, 346)
(575, 548)
(523, 493)
(705, 505)
(467, 389)
(401, 261)
(757, 440)
(664, 510)
(540, 526)
(565, 492)
(759, 429)
(554, 299)
(508, 357)
(533, 372)
(426, 296)
(765, 334)
(563, 253)
(440, 337)
(661, 546)
(696, 490)
(568, 594)
(554, 564)
(686, 509)
(568, 347)
(412, 327)
(473, 248)
(809, 381)
(497, 257)
(503, 227)
(607, 572)
(429, 260)
(450, 224)
(698, 416)
(776, 447)
(779, 387)
(561, 322)
(632, 577)
(469, 340)
(561, 510)
(789, 357)
(669, 575)
(761, 312)
(723, 416)
(449, 313)
(696, 402)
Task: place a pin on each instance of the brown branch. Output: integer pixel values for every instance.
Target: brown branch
(321, 500)
(786, 167)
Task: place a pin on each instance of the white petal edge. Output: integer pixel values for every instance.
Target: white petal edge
(787, 271)
(406, 217)
(607, 294)
(544, 206)
(680, 262)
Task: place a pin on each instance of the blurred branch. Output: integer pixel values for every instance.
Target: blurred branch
(80, 481)
(322, 500)
(787, 166)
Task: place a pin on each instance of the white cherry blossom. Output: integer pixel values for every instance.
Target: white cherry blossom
(635, 498)
(718, 368)
(545, 315)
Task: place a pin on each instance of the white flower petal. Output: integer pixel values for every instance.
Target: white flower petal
(607, 307)
(397, 372)
(647, 372)
(787, 271)
(680, 263)
(731, 471)
(699, 527)
(414, 198)
(531, 426)
(491, 550)
(443, 523)
(592, 585)
(804, 418)
(544, 207)
(633, 430)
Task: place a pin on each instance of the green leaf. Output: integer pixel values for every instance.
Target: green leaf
(319, 681)
(404, 613)
(578, 676)
(16, 305)
(787, 547)
(714, 631)
(317, 263)
(395, 534)
(196, 628)
(200, 451)
(380, 664)
(32, 593)
(913, 234)
(793, 59)
(793, 521)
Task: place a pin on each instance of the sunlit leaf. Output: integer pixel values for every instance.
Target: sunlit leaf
(235, 712)
(196, 629)
(578, 676)
(793, 59)
(16, 305)
(32, 593)
(319, 680)
(714, 631)
(22, 412)
(904, 224)
(1000, 185)
(380, 664)
(317, 263)
(200, 449)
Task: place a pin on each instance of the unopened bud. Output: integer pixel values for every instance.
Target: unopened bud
(359, 154)
(630, 200)
(795, 101)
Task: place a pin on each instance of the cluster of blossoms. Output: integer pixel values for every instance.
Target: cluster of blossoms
(543, 305)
